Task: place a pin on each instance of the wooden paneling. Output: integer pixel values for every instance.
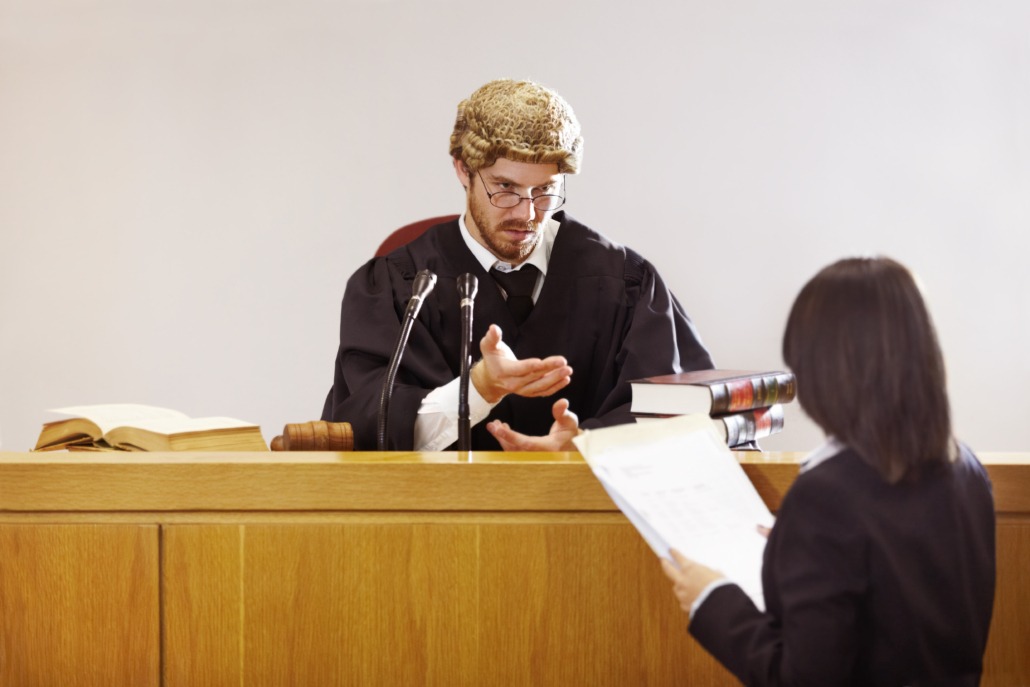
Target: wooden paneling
(319, 604)
(1007, 661)
(202, 604)
(302, 481)
(359, 604)
(582, 603)
(373, 569)
(514, 601)
(348, 482)
(79, 605)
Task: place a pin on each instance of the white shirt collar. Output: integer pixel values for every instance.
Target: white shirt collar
(822, 454)
(539, 258)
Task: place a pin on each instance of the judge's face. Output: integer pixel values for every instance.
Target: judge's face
(508, 233)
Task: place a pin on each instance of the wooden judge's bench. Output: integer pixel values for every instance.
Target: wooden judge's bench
(323, 569)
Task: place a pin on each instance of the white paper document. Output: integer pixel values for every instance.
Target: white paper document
(682, 488)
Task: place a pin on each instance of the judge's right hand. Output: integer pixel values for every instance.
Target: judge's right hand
(500, 373)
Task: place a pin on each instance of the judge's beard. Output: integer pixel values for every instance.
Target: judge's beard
(492, 235)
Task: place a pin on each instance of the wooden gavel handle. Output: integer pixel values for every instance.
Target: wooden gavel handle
(315, 436)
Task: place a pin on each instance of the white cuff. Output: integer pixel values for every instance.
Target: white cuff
(436, 426)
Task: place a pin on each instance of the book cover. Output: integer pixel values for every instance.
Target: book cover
(740, 428)
(751, 425)
(714, 392)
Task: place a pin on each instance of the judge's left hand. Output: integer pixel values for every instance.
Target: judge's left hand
(500, 373)
(566, 426)
(689, 578)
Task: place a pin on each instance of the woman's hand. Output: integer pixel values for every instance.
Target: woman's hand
(689, 578)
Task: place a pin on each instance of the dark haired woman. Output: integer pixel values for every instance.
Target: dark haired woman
(880, 568)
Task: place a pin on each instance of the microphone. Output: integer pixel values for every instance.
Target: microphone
(468, 285)
(423, 285)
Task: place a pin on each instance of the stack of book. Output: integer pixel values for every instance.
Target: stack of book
(745, 405)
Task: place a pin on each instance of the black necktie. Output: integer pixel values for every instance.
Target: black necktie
(518, 286)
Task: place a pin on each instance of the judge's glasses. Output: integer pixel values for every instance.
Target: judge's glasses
(545, 202)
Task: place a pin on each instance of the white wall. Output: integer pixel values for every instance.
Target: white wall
(185, 186)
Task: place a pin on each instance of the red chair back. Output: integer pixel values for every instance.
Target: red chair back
(410, 232)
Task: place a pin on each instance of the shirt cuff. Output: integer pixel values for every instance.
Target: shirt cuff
(436, 426)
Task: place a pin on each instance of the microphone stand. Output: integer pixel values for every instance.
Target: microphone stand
(424, 283)
(468, 285)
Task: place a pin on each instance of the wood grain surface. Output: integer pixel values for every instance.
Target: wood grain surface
(370, 569)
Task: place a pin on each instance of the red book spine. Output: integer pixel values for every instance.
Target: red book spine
(741, 394)
(763, 422)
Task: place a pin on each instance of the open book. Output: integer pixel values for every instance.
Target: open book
(134, 427)
(682, 488)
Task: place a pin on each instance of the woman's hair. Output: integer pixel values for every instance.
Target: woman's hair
(869, 369)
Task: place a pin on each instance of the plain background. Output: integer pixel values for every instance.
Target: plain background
(186, 186)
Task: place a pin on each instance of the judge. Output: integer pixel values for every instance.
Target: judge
(879, 570)
(564, 316)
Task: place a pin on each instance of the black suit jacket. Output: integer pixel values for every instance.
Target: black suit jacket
(866, 583)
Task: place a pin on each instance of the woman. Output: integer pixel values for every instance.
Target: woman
(880, 567)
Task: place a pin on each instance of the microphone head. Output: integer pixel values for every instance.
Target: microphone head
(468, 285)
(424, 283)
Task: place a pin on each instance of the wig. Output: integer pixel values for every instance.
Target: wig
(520, 121)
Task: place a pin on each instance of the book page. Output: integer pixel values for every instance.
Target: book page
(178, 425)
(682, 488)
(110, 415)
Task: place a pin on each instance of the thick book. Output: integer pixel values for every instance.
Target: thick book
(679, 485)
(738, 429)
(713, 392)
(135, 427)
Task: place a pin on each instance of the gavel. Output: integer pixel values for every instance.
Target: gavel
(315, 436)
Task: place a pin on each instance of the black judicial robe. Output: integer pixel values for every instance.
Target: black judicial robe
(866, 583)
(602, 306)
